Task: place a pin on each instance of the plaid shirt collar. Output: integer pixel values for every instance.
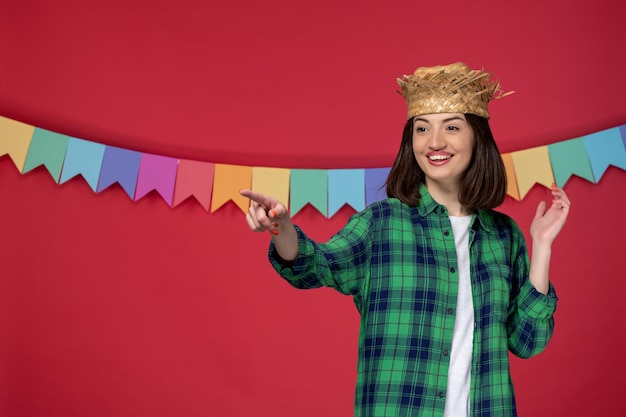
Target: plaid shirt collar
(428, 206)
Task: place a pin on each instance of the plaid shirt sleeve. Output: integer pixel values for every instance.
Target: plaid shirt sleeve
(531, 323)
(341, 263)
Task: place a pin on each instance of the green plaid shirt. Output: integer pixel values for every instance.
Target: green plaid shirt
(399, 265)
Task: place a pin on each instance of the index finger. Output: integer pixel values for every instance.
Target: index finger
(258, 198)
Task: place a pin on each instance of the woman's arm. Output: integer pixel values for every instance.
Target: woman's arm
(544, 229)
(341, 263)
(531, 323)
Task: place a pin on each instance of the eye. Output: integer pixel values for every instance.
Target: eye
(453, 128)
(420, 129)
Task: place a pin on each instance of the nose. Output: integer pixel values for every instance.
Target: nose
(436, 140)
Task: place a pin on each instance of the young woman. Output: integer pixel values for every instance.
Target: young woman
(443, 282)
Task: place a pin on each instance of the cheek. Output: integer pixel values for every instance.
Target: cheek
(420, 161)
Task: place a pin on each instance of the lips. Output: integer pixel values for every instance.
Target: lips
(438, 157)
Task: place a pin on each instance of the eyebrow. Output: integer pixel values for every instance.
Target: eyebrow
(444, 120)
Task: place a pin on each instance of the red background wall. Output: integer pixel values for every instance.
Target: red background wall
(110, 307)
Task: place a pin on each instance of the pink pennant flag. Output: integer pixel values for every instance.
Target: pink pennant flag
(157, 173)
(194, 178)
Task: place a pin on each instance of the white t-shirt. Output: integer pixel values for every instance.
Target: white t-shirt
(458, 390)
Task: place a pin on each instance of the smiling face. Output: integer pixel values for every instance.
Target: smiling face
(443, 144)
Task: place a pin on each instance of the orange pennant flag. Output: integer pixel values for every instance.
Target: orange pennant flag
(532, 166)
(228, 180)
(15, 139)
(511, 179)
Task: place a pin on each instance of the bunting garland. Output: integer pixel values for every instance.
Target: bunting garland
(213, 185)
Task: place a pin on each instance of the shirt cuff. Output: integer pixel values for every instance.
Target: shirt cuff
(535, 304)
(290, 270)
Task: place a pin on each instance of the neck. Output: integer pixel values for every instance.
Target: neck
(447, 195)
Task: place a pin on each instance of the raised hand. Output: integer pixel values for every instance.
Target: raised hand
(544, 229)
(548, 223)
(267, 213)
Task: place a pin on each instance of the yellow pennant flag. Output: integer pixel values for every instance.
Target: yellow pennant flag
(532, 166)
(227, 182)
(273, 182)
(511, 180)
(15, 139)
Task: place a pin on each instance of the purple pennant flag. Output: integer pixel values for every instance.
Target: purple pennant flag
(375, 179)
(157, 173)
(122, 166)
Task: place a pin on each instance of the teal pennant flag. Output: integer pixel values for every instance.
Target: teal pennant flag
(346, 186)
(605, 148)
(84, 158)
(46, 148)
(308, 186)
(570, 158)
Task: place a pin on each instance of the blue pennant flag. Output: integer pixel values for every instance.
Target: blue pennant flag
(84, 158)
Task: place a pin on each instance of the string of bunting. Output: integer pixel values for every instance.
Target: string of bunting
(214, 184)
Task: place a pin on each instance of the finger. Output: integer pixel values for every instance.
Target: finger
(252, 222)
(259, 198)
(261, 216)
(541, 210)
(278, 212)
(559, 193)
(560, 201)
(257, 213)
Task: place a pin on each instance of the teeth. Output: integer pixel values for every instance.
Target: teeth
(438, 157)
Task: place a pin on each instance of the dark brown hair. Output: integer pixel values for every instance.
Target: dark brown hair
(483, 185)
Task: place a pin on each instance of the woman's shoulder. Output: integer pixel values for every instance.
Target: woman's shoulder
(386, 208)
(388, 203)
(498, 221)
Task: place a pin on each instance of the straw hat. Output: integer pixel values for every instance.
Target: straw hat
(453, 88)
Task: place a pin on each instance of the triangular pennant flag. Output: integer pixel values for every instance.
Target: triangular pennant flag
(194, 178)
(309, 186)
(273, 182)
(345, 186)
(229, 179)
(121, 166)
(532, 166)
(622, 132)
(15, 139)
(375, 179)
(46, 148)
(511, 180)
(157, 173)
(605, 148)
(570, 158)
(84, 158)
